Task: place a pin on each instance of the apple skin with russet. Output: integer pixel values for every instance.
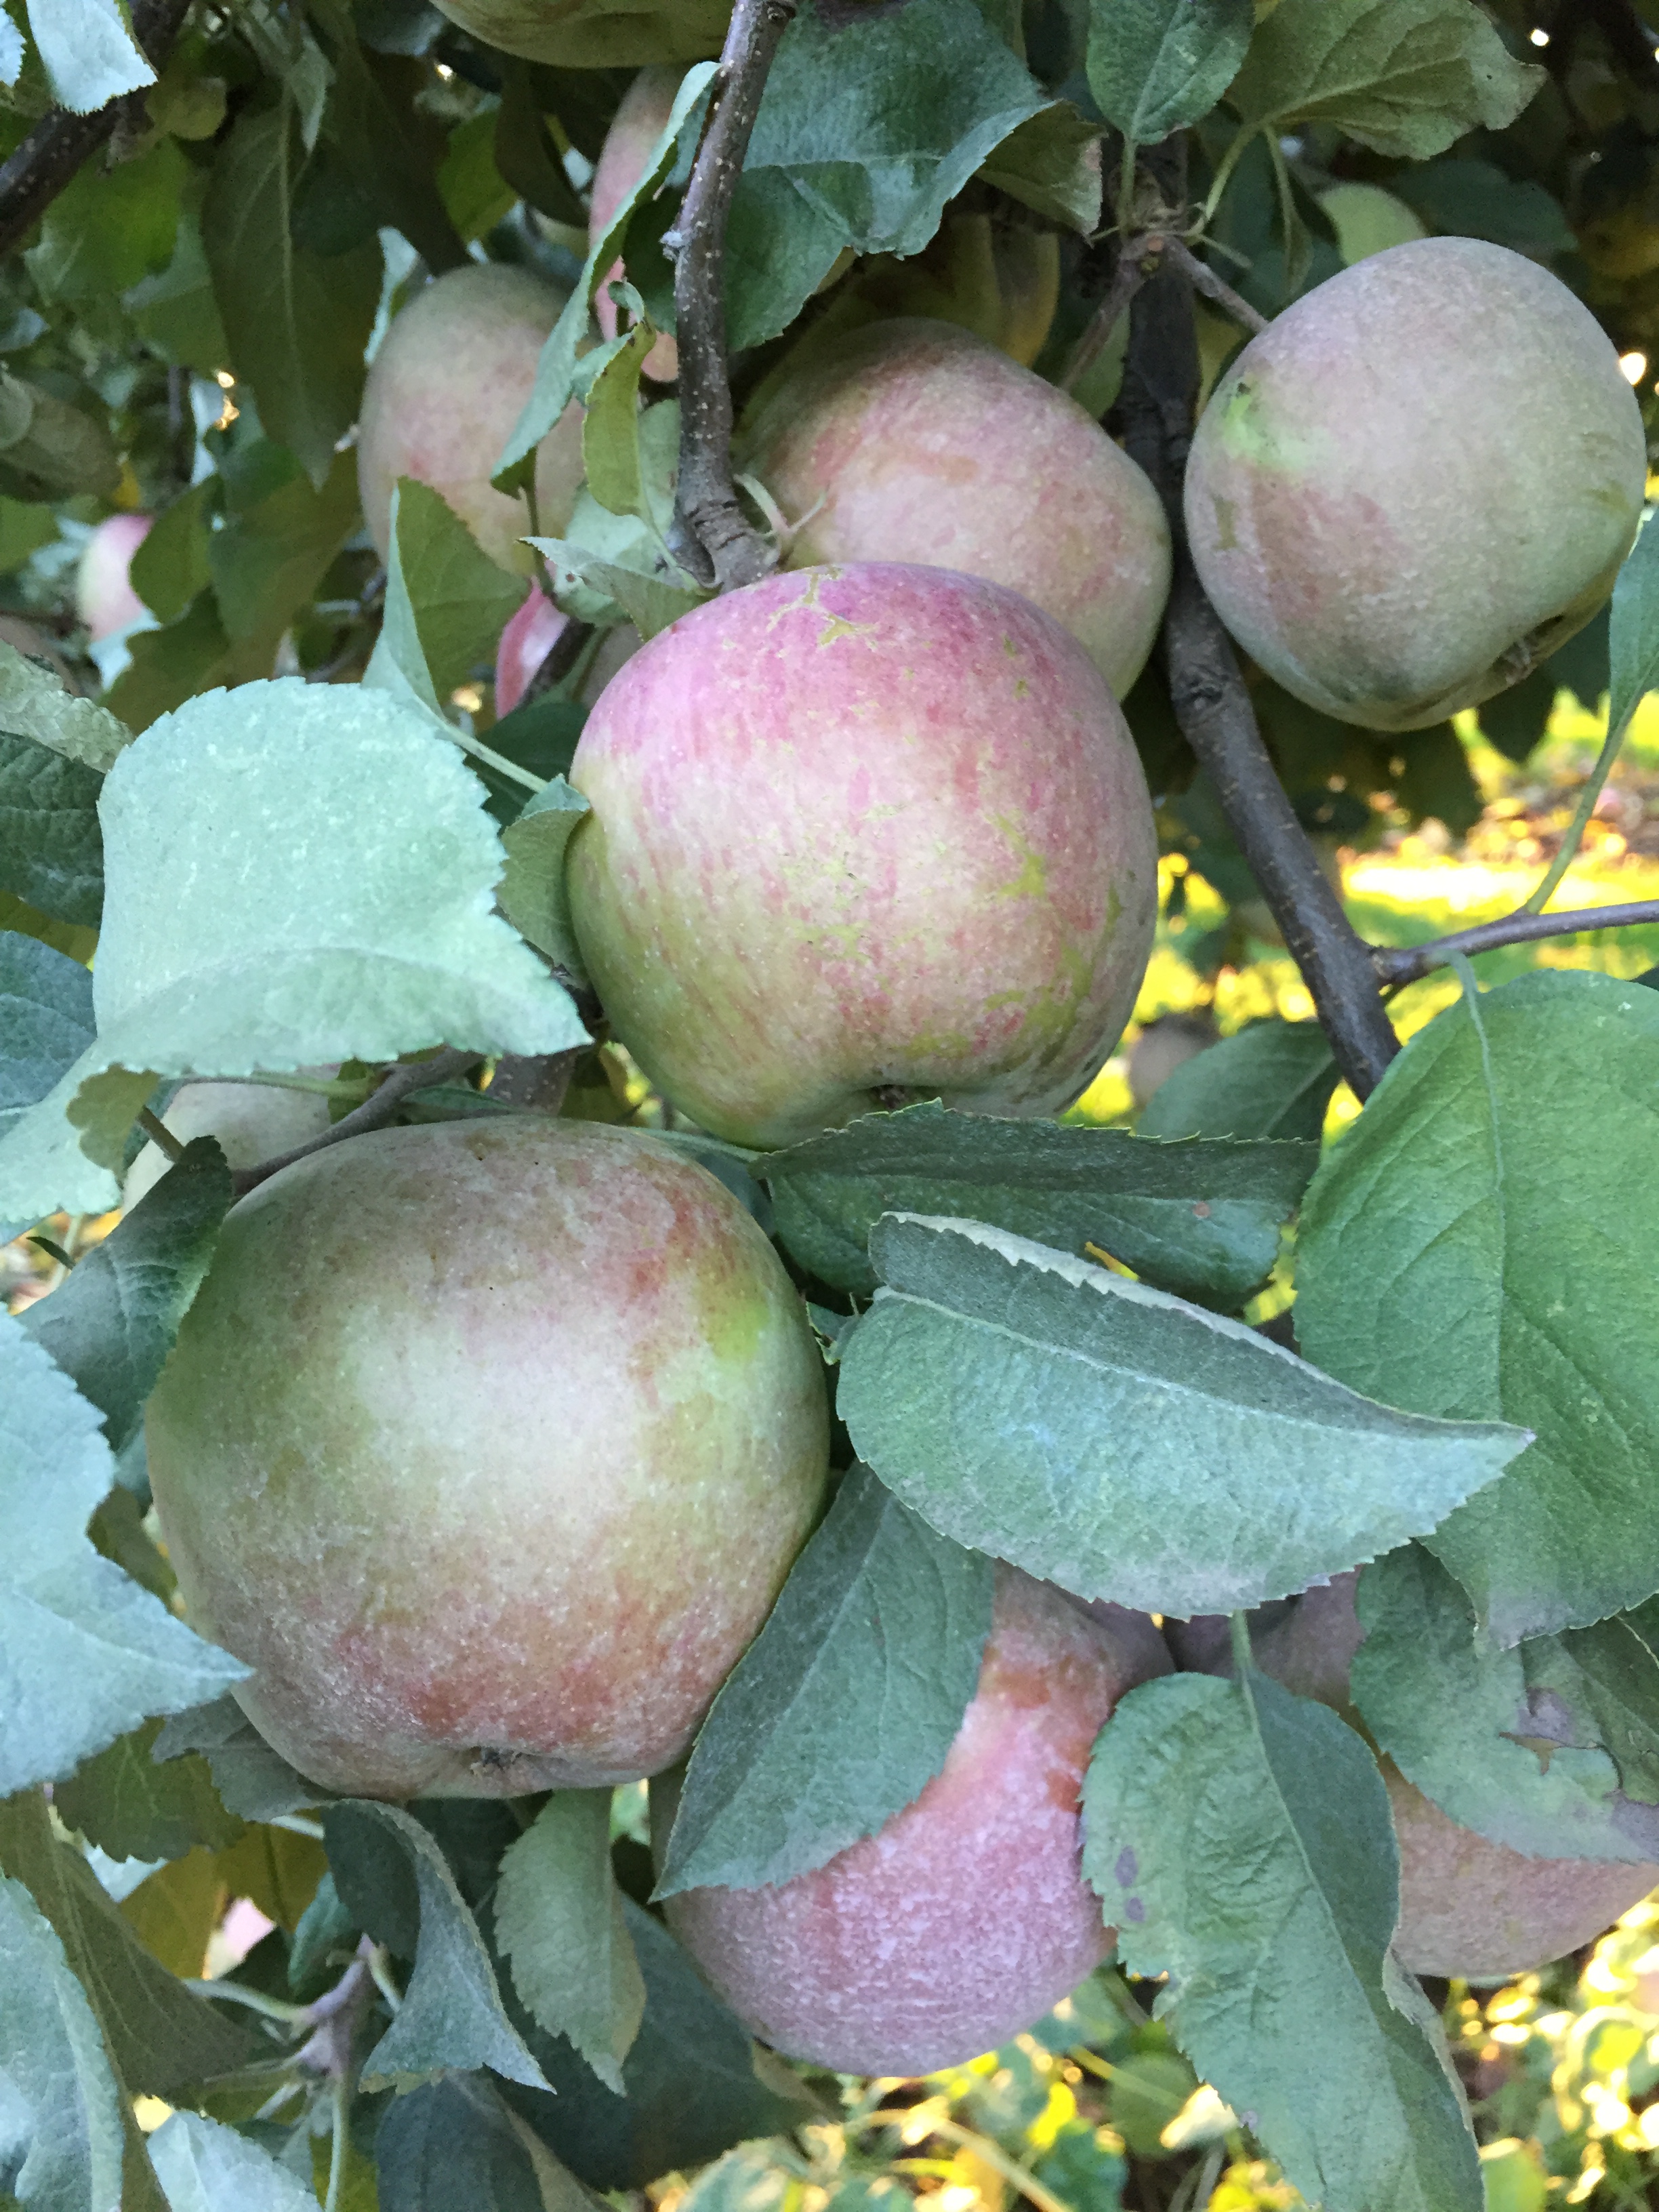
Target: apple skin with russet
(966, 1917)
(1468, 1905)
(914, 441)
(861, 837)
(104, 596)
(487, 1445)
(444, 392)
(1395, 523)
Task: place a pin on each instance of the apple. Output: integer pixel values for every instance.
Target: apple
(860, 836)
(487, 1445)
(444, 392)
(529, 635)
(1468, 1905)
(998, 278)
(104, 597)
(638, 124)
(576, 34)
(254, 1121)
(1395, 522)
(1163, 1046)
(1367, 219)
(914, 441)
(966, 1917)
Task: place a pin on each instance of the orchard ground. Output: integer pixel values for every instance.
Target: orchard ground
(1094, 2110)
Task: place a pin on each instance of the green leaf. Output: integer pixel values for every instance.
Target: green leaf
(610, 420)
(45, 1021)
(1551, 1747)
(110, 227)
(1405, 77)
(650, 603)
(1125, 1445)
(860, 140)
(371, 935)
(454, 2142)
(171, 566)
(386, 143)
(1272, 1078)
(475, 193)
(559, 1920)
(132, 1809)
(844, 1707)
(525, 155)
(51, 851)
(694, 2082)
(176, 312)
(532, 890)
(1051, 163)
(274, 549)
(1633, 632)
(1240, 1839)
(60, 2110)
(85, 1654)
(253, 1780)
(205, 2166)
(1476, 199)
(1200, 1219)
(296, 324)
(1157, 65)
(110, 1325)
(460, 599)
(158, 2036)
(87, 51)
(190, 655)
(50, 447)
(1458, 1254)
(555, 371)
(391, 1875)
(35, 703)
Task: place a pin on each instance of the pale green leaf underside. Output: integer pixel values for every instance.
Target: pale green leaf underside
(1240, 1839)
(845, 1706)
(1481, 1243)
(1124, 1444)
(60, 2110)
(205, 2166)
(294, 873)
(89, 53)
(85, 1653)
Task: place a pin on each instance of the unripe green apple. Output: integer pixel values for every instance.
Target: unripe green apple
(104, 596)
(1468, 1905)
(575, 34)
(487, 1445)
(444, 392)
(1367, 220)
(966, 1917)
(861, 837)
(254, 1121)
(1396, 522)
(638, 124)
(914, 441)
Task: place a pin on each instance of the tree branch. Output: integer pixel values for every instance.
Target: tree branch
(1204, 279)
(1404, 963)
(374, 1113)
(1156, 409)
(31, 176)
(714, 536)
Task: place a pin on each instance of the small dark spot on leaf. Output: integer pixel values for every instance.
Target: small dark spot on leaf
(1127, 1867)
(1134, 1910)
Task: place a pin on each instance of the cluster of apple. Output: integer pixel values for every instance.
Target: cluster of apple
(489, 1444)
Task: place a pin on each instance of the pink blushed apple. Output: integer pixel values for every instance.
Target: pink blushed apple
(104, 596)
(487, 1445)
(444, 392)
(966, 1917)
(1417, 483)
(530, 635)
(914, 441)
(859, 836)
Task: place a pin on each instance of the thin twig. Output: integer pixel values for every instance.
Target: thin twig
(31, 176)
(1133, 267)
(376, 1110)
(1204, 279)
(1404, 963)
(1207, 693)
(712, 536)
(160, 1135)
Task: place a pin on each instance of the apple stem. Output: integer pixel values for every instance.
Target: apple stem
(1205, 280)
(376, 1110)
(1403, 963)
(1155, 411)
(712, 536)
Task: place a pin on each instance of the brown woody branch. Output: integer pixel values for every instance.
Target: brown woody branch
(31, 176)
(714, 536)
(374, 1113)
(1212, 706)
(1404, 963)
